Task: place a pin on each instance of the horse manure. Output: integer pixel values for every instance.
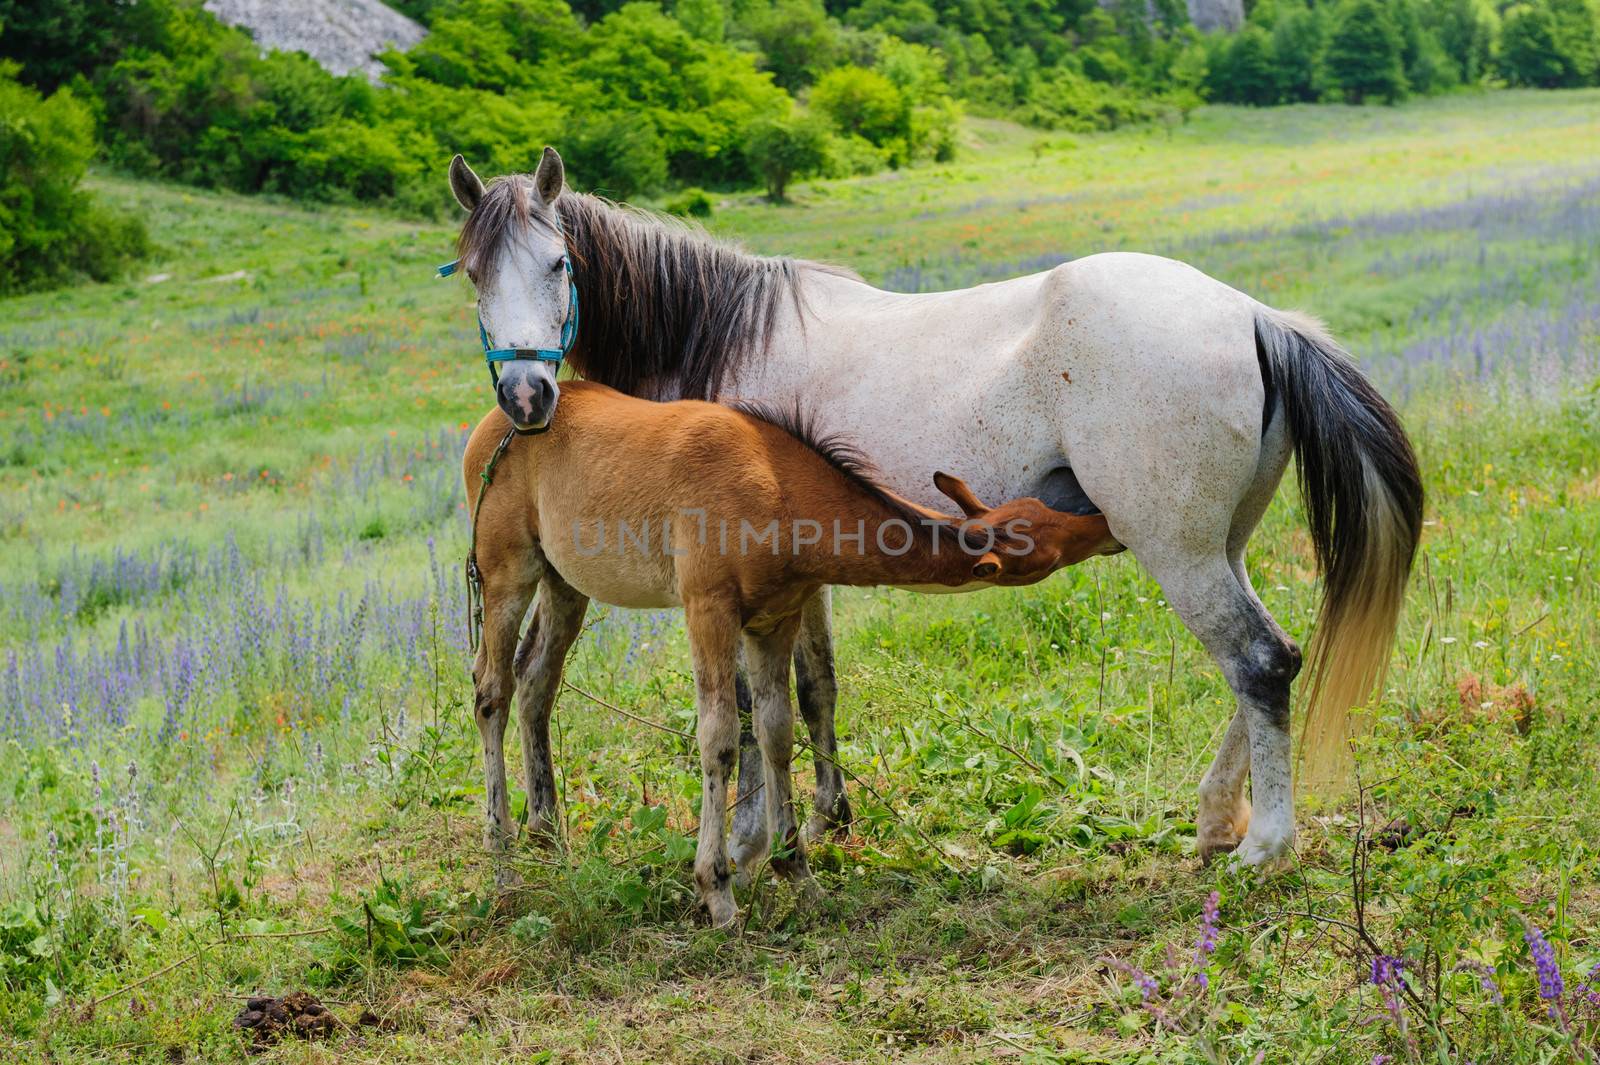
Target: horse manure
(298, 1015)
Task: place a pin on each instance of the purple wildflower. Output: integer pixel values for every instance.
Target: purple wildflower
(1382, 1059)
(1388, 976)
(1148, 988)
(1551, 986)
(1486, 980)
(1207, 943)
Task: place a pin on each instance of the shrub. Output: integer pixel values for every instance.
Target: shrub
(1062, 98)
(690, 203)
(50, 228)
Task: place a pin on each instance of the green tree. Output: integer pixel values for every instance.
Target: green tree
(705, 19)
(616, 155)
(782, 149)
(50, 228)
(702, 98)
(1244, 70)
(1299, 37)
(1535, 51)
(1467, 30)
(52, 40)
(797, 39)
(1364, 53)
(862, 102)
(1578, 37)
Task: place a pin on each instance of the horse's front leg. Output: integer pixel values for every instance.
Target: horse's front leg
(818, 692)
(713, 640)
(557, 621)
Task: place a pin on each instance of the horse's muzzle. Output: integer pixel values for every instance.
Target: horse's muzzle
(527, 392)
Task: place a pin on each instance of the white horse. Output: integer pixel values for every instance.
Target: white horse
(1129, 384)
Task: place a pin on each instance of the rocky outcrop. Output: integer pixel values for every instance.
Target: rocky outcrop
(342, 35)
(1216, 14)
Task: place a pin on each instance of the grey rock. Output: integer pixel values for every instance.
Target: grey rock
(1216, 14)
(342, 35)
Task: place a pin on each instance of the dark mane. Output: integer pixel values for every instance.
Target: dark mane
(837, 451)
(667, 311)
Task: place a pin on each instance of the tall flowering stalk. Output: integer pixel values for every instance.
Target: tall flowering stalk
(1388, 976)
(1551, 985)
(1186, 984)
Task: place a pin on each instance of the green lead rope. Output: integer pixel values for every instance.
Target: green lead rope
(474, 577)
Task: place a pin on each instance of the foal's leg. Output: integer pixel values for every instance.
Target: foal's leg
(713, 642)
(768, 658)
(557, 620)
(818, 691)
(507, 588)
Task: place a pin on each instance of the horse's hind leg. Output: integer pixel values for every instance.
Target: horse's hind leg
(507, 589)
(818, 692)
(557, 620)
(749, 840)
(1259, 662)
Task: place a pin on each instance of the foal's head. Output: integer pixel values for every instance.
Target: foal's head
(514, 252)
(1030, 540)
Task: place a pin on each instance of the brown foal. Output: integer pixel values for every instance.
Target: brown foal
(738, 520)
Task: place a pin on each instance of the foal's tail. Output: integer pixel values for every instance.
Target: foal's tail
(1363, 499)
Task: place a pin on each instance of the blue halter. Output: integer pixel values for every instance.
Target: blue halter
(569, 328)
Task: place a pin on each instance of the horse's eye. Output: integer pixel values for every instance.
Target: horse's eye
(558, 266)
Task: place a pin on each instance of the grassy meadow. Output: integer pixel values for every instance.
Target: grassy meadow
(236, 754)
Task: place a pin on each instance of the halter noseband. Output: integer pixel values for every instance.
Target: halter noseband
(569, 327)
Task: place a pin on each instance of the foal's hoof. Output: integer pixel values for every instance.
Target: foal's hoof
(1216, 847)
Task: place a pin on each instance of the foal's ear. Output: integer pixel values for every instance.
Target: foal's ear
(957, 490)
(464, 184)
(550, 176)
(986, 567)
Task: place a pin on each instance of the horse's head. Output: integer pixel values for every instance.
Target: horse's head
(514, 252)
(1029, 541)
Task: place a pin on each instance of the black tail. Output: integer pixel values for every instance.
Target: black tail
(1363, 498)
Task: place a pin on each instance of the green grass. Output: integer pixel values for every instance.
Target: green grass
(1025, 760)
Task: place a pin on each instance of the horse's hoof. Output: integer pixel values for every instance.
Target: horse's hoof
(1261, 854)
(809, 894)
(722, 911)
(748, 856)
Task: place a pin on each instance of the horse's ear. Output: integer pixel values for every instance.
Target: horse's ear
(957, 489)
(550, 176)
(986, 567)
(464, 184)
